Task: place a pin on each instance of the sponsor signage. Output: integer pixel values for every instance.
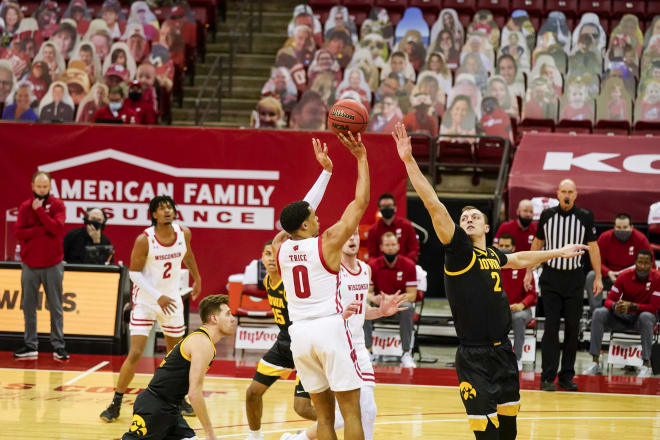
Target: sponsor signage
(625, 353)
(529, 349)
(255, 338)
(386, 343)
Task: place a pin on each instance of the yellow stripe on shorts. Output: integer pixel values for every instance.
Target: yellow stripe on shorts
(272, 370)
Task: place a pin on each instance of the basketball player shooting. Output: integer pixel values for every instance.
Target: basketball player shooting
(321, 343)
(486, 365)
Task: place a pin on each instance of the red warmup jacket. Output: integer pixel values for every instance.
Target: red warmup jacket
(403, 229)
(125, 115)
(646, 294)
(616, 255)
(41, 232)
(512, 282)
(144, 110)
(522, 237)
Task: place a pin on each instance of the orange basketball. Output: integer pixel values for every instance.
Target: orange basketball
(348, 115)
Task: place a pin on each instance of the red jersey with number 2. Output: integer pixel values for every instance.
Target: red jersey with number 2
(312, 288)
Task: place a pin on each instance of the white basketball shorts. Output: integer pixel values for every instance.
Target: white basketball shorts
(145, 313)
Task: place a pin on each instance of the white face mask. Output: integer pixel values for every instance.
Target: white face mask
(115, 106)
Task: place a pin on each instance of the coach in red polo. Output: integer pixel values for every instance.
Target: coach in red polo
(390, 273)
(400, 227)
(521, 229)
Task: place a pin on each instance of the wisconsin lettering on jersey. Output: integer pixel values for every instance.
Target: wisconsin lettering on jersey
(352, 287)
(168, 256)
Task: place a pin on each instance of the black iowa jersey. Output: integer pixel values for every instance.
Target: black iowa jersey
(171, 379)
(473, 285)
(278, 303)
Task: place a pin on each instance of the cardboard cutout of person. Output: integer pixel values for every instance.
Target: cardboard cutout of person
(590, 25)
(541, 101)
(448, 21)
(339, 18)
(48, 52)
(428, 84)
(310, 113)
(412, 19)
(498, 89)
(444, 45)
(56, 105)
(545, 66)
(465, 85)
(422, 117)
(120, 54)
(614, 103)
(95, 99)
(378, 22)
(281, 86)
(459, 119)
(477, 43)
(437, 65)
(647, 107)
(303, 14)
(508, 69)
(412, 45)
(520, 22)
(354, 80)
(576, 105)
(557, 25)
(494, 120)
(362, 60)
(472, 64)
(268, 114)
(483, 21)
(385, 115)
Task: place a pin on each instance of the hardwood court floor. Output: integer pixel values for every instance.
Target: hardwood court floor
(51, 400)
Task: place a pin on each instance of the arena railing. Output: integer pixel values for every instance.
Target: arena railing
(201, 115)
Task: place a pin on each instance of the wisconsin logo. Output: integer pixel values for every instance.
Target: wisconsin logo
(138, 426)
(467, 392)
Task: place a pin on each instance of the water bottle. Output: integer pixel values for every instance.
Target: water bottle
(17, 252)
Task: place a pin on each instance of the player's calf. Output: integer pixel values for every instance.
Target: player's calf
(304, 408)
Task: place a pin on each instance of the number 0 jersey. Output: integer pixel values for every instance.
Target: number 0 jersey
(473, 285)
(354, 287)
(312, 288)
(279, 306)
(163, 266)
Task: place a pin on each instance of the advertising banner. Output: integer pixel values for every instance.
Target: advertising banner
(625, 353)
(255, 338)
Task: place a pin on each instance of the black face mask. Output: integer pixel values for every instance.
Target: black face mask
(44, 197)
(642, 275)
(97, 225)
(390, 257)
(524, 221)
(387, 212)
(623, 236)
(135, 96)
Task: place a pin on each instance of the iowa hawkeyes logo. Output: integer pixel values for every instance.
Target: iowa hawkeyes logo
(467, 392)
(138, 426)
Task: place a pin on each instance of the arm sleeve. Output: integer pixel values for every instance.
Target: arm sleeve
(143, 283)
(54, 224)
(412, 243)
(615, 294)
(315, 194)
(654, 304)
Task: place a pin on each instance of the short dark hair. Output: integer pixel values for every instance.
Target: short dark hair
(644, 252)
(623, 216)
(268, 243)
(398, 54)
(386, 196)
(156, 202)
(210, 305)
(468, 207)
(293, 215)
(38, 173)
(508, 237)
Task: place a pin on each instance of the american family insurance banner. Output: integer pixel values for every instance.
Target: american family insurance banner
(613, 173)
(230, 185)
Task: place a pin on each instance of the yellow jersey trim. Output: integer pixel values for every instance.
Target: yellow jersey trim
(480, 251)
(460, 272)
(272, 370)
(267, 283)
(510, 410)
(201, 331)
(496, 256)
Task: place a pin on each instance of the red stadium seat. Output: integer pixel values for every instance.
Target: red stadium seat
(394, 8)
(464, 8)
(423, 152)
(536, 126)
(644, 128)
(430, 9)
(652, 9)
(623, 7)
(489, 152)
(359, 9)
(499, 8)
(534, 9)
(574, 127)
(602, 8)
(619, 128)
(568, 7)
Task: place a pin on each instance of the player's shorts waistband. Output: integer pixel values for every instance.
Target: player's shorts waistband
(484, 344)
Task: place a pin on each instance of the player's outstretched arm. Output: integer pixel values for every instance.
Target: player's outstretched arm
(335, 236)
(442, 221)
(201, 354)
(522, 259)
(316, 192)
(191, 264)
(389, 305)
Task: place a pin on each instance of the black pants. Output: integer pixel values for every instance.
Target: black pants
(561, 293)
(155, 419)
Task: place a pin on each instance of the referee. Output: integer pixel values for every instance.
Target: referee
(486, 366)
(562, 283)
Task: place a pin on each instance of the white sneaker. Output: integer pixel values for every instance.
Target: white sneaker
(644, 371)
(520, 365)
(407, 360)
(595, 368)
(374, 357)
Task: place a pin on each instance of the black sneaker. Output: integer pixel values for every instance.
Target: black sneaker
(548, 386)
(25, 352)
(187, 409)
(567, 385)
(111, 413)
(60, 353)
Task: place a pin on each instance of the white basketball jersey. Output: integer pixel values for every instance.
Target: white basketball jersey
(163, 266)
(312, 289)
(354, 287)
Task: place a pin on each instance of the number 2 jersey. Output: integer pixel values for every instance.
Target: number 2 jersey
(163, 265)
(279, 306)
(473, 285)
(354, 287)
(312, 288)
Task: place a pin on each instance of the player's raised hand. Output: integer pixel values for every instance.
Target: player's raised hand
(391, 304)
(321, 153)
(167, 304)
(403, 145)
(572, 250)
(355, 146)
(351, 309)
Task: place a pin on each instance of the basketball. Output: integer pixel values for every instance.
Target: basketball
(348, 115)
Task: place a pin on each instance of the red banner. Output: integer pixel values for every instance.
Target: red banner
(613, 173)
(230, 185)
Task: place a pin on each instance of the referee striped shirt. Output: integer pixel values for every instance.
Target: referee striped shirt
(559, 228)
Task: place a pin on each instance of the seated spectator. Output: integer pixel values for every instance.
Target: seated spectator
(99, 35)
(392, 273)
(614, 103)
(65, 37)
(47, 16)
(57, 105)
(422, 117)
(412, 44)
(338, 18)
(437, 66)
(427, 82)
(141, 13)
(522, 229)
(541, 100)
(618, 247)
(40, 79)
(269, 114)
(116, 75)
(575, 104)
(310, 113)
(51, 56)
(140, 104)
(444, 45)
(647, 105)
(7, 82)
(77, 81)
(303, 44)
(632, 304)
(11, 15)
(112, 16)
(115, 112)
(86, 52)
(95, 99)
(447, 21)
(498, 89)
(386, 114)
(407, 244)
(91, 234)
(545, 66)
(459, 119)
(20, 110)
(354, 80)
(137, 43)
(520, 299)
(120, 55)
(508, 69)
(80, 14)
(281, 86)
(303, 14)
(494, 120)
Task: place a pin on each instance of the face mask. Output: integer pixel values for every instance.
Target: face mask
(524, 221)
(135, 96)
(387, 212)
(642, 275)
(97, 225)
(115, 106)
(44, 197)
(623, 236)
(390, 257)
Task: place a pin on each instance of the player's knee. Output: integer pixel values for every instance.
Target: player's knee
(254, 391)
(134, 355)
